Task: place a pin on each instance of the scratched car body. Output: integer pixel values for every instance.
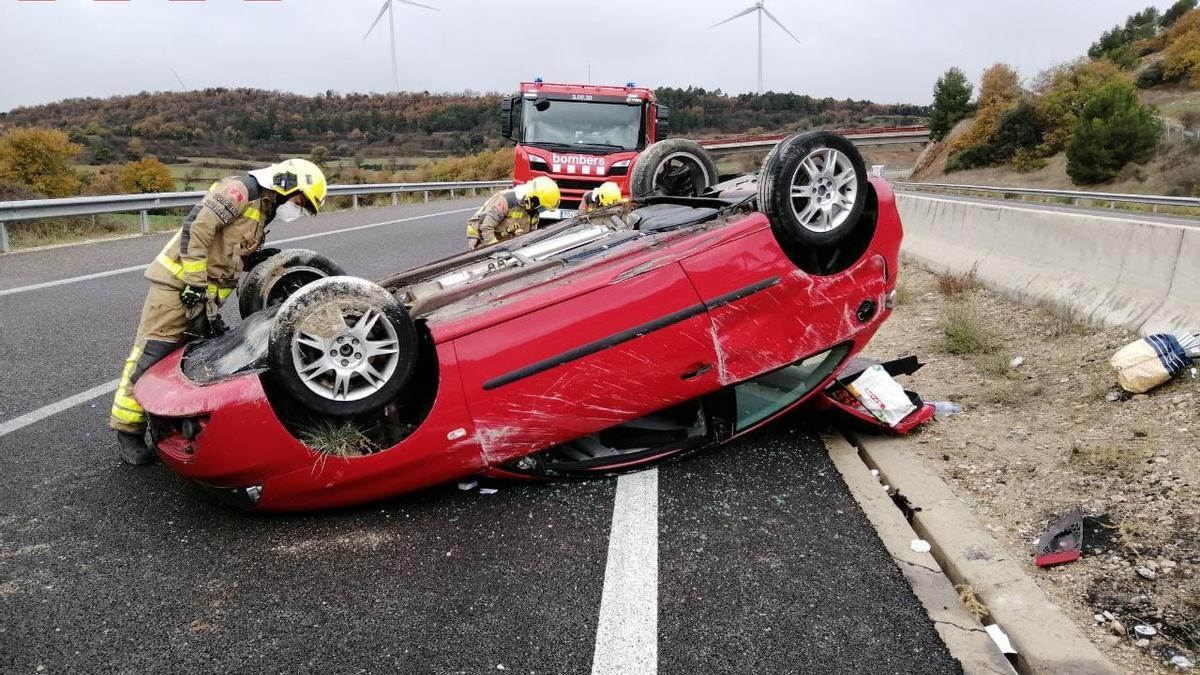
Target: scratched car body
(589, 347)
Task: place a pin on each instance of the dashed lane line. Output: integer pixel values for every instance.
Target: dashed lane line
(627, 633)
(55, 408)
(137, 268)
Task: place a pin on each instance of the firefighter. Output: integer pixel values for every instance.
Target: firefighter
(512, 212)
(199, 268)
(607, 194)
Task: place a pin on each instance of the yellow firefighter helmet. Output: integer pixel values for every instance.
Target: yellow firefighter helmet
(608, 194)
(295, 175)
(541, 192)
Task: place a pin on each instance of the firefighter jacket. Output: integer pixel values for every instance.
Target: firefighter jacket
(228, 223)
(501, 217)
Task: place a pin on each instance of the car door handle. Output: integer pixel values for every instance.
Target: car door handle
(693, 374)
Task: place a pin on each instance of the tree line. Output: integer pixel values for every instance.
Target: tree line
(253, 124)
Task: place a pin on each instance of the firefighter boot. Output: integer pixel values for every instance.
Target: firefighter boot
(132, 448)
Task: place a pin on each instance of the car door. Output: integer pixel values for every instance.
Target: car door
(766, 313)
(590, 362)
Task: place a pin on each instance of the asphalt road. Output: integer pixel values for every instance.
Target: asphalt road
(765, 563)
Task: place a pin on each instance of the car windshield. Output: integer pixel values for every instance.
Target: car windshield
(767, 394)
(581, 123)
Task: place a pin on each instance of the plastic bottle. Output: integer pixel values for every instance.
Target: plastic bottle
(945, 409)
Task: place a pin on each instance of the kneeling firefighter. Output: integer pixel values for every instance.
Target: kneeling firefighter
(199, 268)
(606, 195)
(512, 212)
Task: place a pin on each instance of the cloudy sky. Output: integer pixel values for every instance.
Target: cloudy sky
(883, 50)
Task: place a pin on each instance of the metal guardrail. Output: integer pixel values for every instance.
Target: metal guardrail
(1074, 195)
(35, 209)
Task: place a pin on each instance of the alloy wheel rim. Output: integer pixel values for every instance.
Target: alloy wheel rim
(824, 188)
(356, 360)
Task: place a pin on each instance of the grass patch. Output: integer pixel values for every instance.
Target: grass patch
(995, 364)
(951, 285)
(964, 334)
(337, 439)
(966, 593)
(904, 292)
(50, 231)
(1108, 458)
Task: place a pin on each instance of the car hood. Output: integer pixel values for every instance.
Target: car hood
(241, 350)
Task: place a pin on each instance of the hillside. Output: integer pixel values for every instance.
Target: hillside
(1124, 119)
(257, 125)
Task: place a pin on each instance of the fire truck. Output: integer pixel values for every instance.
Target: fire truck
(580, 134)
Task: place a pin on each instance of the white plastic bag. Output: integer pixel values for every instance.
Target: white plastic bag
(882, 396)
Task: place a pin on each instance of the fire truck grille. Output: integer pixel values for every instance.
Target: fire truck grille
(577, 184)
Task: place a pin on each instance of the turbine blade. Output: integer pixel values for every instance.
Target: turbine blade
(744, 12)
(777, 23)
(417, 4)
(386, 4)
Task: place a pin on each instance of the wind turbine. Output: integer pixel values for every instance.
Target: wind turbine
(758, 7)
(387, 8)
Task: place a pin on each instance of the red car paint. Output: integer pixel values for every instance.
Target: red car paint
(522, 368)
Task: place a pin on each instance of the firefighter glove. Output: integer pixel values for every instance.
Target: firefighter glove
(252, 260)
(193, 295)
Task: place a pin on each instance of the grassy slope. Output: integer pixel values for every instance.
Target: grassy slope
(1148, 178)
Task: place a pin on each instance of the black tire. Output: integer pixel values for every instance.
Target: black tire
(837, 198)
(675, 167)
(275, 279)
(321, 319)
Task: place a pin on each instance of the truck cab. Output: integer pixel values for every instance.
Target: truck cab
(580, 135)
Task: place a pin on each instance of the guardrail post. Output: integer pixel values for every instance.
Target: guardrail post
(473, 193)
(451, 193)
(354, 202)
(3, 238)
(145, 219)
(395, 198)
(426, 195)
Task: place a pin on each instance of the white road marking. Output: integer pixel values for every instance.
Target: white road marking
(137, 268)
(55, 408)
(627, 633)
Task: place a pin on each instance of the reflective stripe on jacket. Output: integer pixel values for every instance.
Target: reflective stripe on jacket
(501, 217)
(228, 223)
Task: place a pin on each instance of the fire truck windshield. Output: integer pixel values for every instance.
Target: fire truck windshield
(582, 123)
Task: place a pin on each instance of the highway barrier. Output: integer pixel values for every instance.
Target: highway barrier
(1106, 271)
(33, 209)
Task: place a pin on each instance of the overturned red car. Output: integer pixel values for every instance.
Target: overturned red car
(604, 343)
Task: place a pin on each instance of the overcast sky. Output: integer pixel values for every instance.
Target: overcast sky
(883, 50)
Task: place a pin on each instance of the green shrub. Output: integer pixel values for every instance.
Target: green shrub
(1019, 130)
(1028, 160)
(972, 157)
(1150, 76)
(1112, 130)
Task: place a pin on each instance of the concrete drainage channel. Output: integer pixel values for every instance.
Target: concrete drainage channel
(961, 553)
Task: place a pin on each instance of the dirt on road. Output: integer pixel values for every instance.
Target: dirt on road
(1044, 429)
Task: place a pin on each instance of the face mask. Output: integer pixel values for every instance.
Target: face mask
(288, 211)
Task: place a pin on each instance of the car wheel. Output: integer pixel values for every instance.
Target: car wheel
(342, 346)
(676, 167)
(813, 188)
(277, 278)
